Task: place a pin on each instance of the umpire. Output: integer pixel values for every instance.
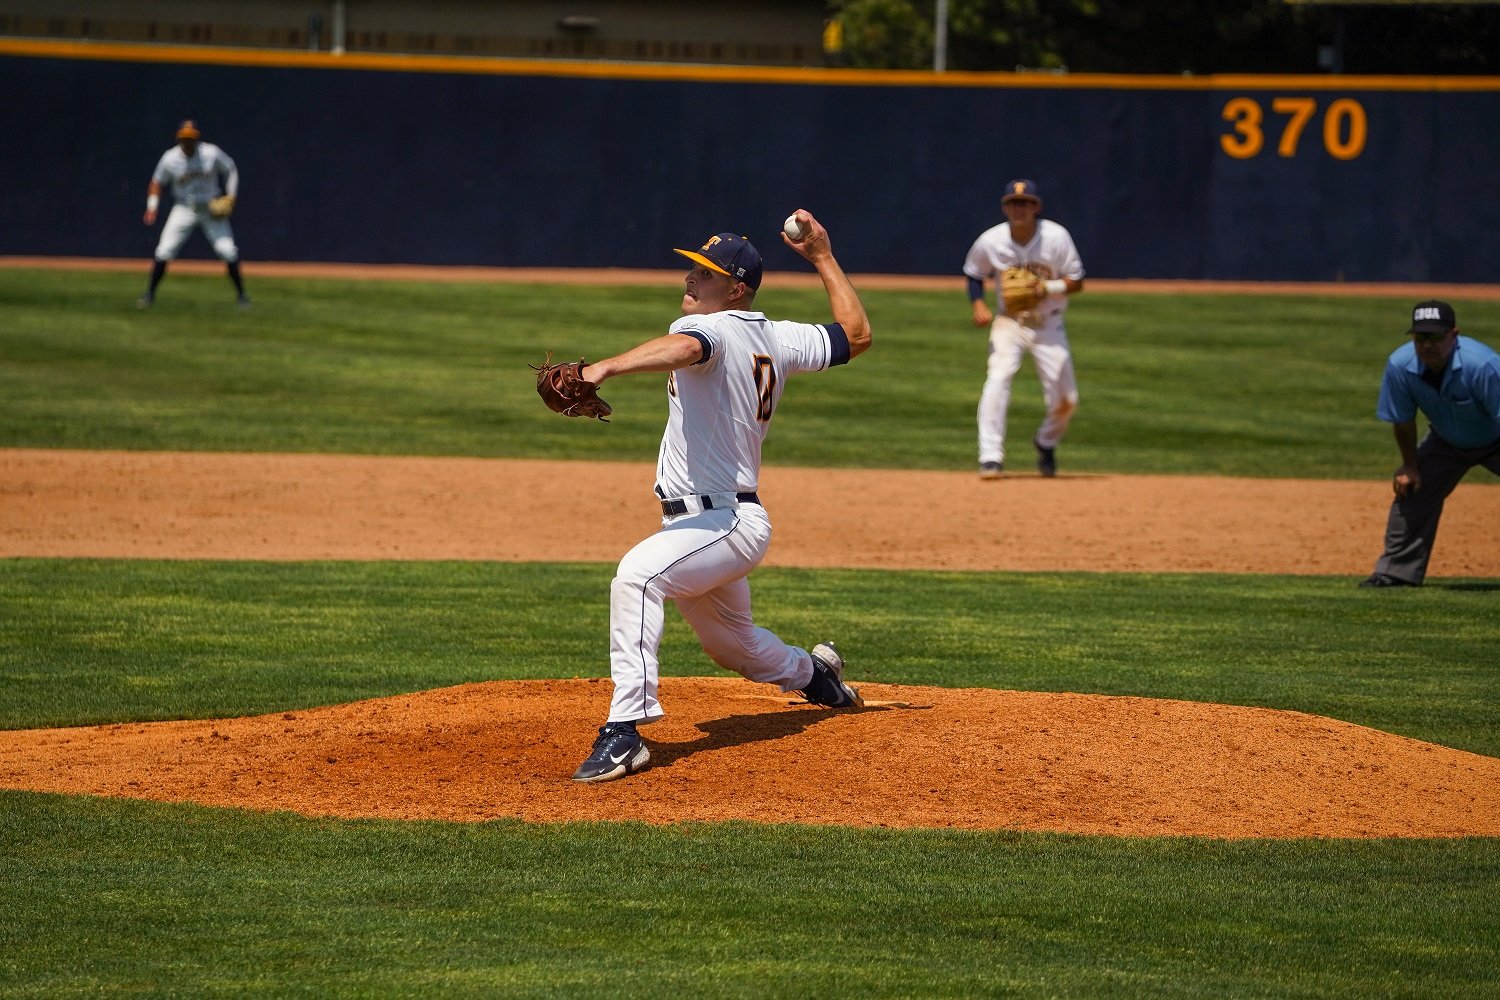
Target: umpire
(1455, 381)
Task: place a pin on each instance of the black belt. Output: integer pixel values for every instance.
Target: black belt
(669, 508)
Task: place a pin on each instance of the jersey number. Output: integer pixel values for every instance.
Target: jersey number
(765, 386)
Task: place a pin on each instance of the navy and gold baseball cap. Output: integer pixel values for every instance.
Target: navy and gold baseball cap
(1020, 190)
(1432, 316)
(730, 255)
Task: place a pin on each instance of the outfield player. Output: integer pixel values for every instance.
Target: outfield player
(726, 367)
(194, 169)
(1045, 248)
(1455, 381)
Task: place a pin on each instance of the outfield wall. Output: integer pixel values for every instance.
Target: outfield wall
(382, 159)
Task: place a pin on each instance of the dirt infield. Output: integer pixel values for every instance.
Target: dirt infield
(919, 757)
(790, 279)
(180, 505)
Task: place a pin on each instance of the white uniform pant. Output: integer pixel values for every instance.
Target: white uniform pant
(1009, 343)
(180, 224)
(700, 561)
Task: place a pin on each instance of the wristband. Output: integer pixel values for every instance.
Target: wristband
(1056, 286)
(152, 201)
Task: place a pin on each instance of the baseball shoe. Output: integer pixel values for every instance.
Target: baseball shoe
(145, 301)
(827, 687)
(618, 751)
(1046, 460)
(990, 470)
(1380, 580)
(243, 301)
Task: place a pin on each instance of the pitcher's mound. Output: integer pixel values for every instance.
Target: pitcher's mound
(730, 750)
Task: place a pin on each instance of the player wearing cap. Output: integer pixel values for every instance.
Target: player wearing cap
(194, 169)
(1455, 381)
(726, 367)
(1043, 247)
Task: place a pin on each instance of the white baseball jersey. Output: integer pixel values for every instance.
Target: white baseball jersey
(720, 408)
(195, 179)
(1050, 254)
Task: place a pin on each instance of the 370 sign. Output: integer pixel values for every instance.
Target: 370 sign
(1344, 126)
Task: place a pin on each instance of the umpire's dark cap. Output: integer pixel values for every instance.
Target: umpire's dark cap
(1020, 190)
(728, 254)
(1432, 316)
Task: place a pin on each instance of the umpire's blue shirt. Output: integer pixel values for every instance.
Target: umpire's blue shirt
(1464, 409)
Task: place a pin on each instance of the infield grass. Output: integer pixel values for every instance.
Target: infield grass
(130, 897)
(110, 896)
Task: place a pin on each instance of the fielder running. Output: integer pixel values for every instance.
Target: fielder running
(726, 368)
(1046, 249)
(194, 169)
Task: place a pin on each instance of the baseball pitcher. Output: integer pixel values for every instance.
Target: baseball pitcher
(726, 367)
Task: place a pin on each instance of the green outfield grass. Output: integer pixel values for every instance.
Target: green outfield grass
(115, 897)
(1221, 384)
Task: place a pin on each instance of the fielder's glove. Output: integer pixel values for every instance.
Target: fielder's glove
(1020, 290)
(564, 390)
(222, 206)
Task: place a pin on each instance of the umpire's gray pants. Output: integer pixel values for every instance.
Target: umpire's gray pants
(1413, 523)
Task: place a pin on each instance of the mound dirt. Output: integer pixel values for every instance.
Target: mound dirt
(730, 750)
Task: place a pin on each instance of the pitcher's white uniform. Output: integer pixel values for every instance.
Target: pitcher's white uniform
(719, 412)
(1049, 254)
(195, 182)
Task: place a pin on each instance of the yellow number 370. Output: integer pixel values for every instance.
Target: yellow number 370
(1344, 126)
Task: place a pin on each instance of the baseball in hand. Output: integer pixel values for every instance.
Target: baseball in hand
(793, 227)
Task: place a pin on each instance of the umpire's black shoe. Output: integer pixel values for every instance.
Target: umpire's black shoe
(1381, 580)
(1046, 459)
(618, 751)
(827, 687)
(145, 301)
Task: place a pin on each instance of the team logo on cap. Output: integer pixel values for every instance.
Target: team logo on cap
(1427, 312)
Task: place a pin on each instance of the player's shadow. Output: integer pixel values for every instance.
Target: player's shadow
(737, 730)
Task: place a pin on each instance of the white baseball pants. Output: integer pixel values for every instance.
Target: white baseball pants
(1009, 344)
(700, 561)
(180, 224)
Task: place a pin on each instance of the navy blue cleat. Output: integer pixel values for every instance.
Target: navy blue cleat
(827, 687)
(1046, 459)
(618, 751)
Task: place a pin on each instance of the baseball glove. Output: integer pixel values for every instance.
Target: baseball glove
(1020, 290)
(221, 207)
(564, 390)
